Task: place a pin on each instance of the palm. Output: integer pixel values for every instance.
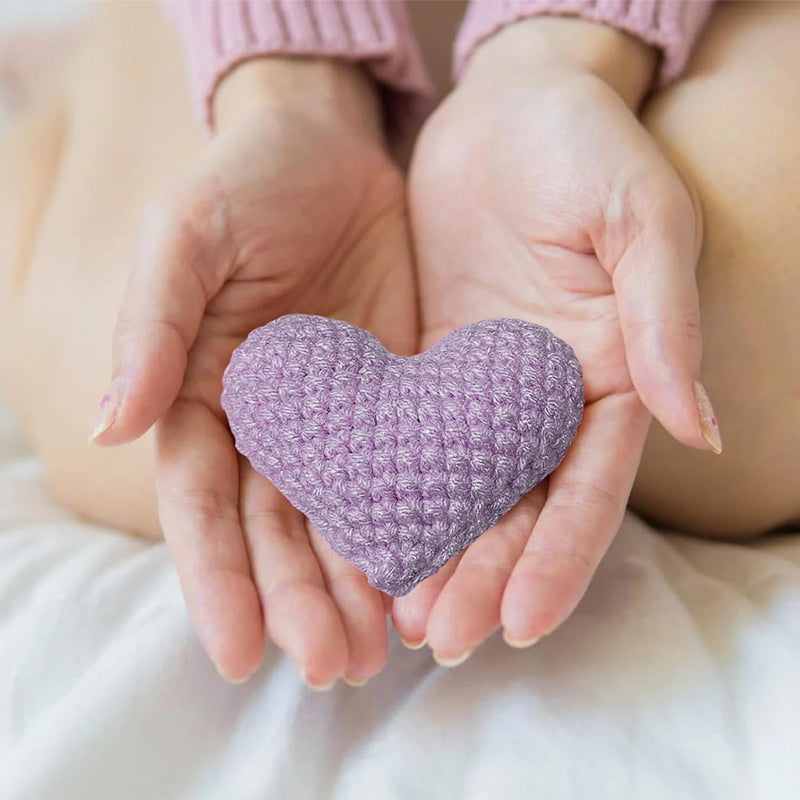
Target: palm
(483, 253)
(296, 233)
(306, 235)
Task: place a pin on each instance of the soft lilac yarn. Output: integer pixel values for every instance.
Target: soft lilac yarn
(400, 463)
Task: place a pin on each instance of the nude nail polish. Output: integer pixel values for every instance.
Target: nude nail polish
(109, 407)
(315, 687)
(709, 427)
(452, 662)
(353, 683)
(519, 643)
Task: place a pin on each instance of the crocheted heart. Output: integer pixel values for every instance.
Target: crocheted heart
(400, 463)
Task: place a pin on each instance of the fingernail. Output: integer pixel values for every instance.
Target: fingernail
(229, 679)
(414, 645)
(237, 681)
(350, 682)
(109, 408)
(451, 662)
(319, 687)
(519, 642)
(708, 420)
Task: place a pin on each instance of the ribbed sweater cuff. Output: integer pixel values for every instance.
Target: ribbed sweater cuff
(220, 34)
(672, 26)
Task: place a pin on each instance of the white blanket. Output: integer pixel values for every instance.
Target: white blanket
(677, 677)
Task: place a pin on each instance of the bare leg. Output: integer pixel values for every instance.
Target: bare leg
(75, 175)
(731, 127)
(31, 61)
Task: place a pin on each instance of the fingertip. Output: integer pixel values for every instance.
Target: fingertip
(689, 418)
(467, 611)
(237, 675)
(411, 612)
(237, 658)
(108, 412)
(524, 623)
(542, 594)
(519, 644)
(148, 380)
(231, 630)
(410, 615)
(306, 624)
(671, 396)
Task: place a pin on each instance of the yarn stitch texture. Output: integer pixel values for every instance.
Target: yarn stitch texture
(401, 463)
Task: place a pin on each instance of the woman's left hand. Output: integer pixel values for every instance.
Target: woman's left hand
(535, 193)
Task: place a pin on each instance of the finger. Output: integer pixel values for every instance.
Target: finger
(586, 500)
(659, 313)
(181, 263)
(468, 607)
(361, 609)
(301, 617)
(198, 490)
(410, 612)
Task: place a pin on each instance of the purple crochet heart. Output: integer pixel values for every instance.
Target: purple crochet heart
(400, 463)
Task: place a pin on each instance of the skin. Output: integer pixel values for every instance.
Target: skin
(249, 567)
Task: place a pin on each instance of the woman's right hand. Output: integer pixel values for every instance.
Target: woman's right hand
(293, 207)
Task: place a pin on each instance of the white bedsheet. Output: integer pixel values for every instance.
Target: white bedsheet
(677, 677)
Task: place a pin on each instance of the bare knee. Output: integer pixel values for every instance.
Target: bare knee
(113, 488)
(734, 141)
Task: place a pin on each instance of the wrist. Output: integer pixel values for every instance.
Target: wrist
(329, 89)
(545, 44)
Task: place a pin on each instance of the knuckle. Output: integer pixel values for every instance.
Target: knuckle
(167, 222)
(203, 506)
(668, 206)
(690, 323)
(191, 217)
(496, 567)
(549, 558)
(598, 511)
(123, 328)
(591, 496)
(271, 523)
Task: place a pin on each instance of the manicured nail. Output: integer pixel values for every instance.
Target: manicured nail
(319, 688)
(709, 426)
(109, 407)
(353, 683)
(451, 662)
(234, 681)
(519, 642)
(237, 681)
(414, 645)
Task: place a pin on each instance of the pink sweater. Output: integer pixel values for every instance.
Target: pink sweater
(219, 34)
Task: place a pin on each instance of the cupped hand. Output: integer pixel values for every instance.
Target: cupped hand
(535, 193)
(293, 207)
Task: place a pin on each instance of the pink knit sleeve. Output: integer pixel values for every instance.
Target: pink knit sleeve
(672, 26)
(220, 34)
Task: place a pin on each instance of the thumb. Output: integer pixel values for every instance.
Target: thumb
(181, 264)
(659, 312)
